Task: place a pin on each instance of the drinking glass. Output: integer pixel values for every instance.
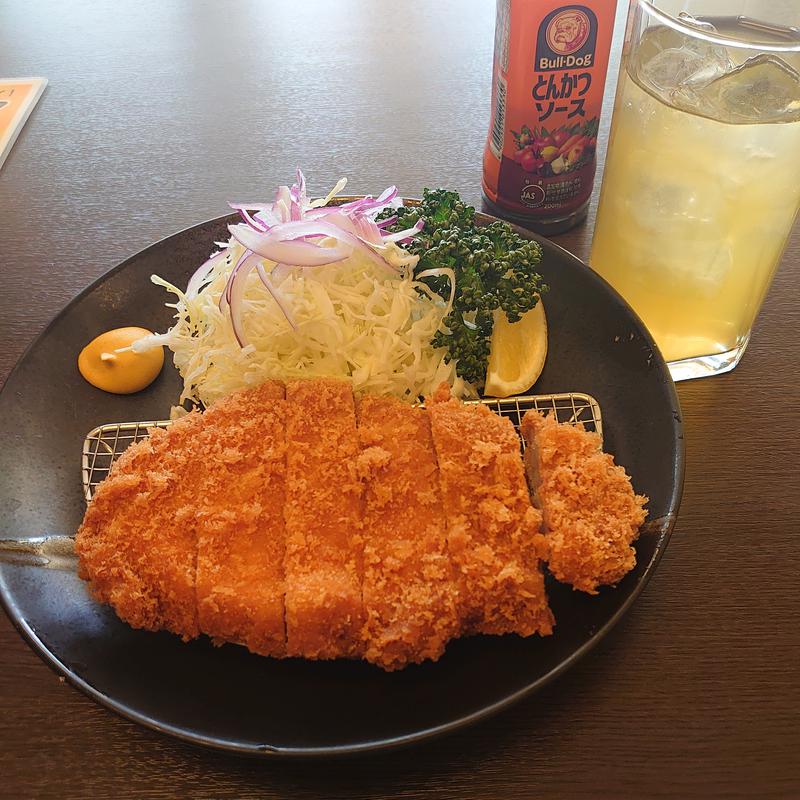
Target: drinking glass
(702, 177)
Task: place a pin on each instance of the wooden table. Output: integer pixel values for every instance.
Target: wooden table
(157, 113)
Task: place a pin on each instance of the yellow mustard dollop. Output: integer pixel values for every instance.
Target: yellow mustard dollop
(120, 373)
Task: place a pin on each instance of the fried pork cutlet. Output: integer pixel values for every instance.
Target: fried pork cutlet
(239, 517)
(492, 530)
(274, 521)
(408, 585)
(322, 512)
(137, 543)
(591, 514)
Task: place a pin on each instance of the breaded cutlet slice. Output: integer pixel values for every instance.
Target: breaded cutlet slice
(240, 580)
(492, 529)
(322, 513)
(408, 587)
(137, 545)
(591, 514)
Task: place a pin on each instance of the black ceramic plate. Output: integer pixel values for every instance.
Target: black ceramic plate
(225, 697)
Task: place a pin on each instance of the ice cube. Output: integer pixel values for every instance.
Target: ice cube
(681, 201)
(671, 59)
(671, 67)
(763, 89)
(711, 52)
(659, 37)
(674, 68)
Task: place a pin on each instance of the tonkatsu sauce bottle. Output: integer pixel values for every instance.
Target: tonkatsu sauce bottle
(550, 63)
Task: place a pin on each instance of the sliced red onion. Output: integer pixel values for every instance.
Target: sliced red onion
(279, 271)
(293, 205)
(282, 232)
(277, 295)
(442, 272)
(275, 248)
(383, 199)
(267, 216)
(283, 201)
(301, 253)
(225, 295)
(253, 222)
(283, 195)
(357, 206)
(197, 280)
(407, 234)
(237, 285)
(369, 203)
(364, 205)
(341, 221)
(326, 228)
(323, 211)
(298, 191)
(387, 195)
(234, 293)
(354, 205)
(298, 195)
(373, 251)
(296, 230)
(369, 231)
(264, 217)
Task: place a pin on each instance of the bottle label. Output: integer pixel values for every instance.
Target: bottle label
(540, 155)
(499, 126)
(567, 39)
(554, 193)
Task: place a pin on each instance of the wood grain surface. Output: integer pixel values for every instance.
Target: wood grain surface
(156, 114)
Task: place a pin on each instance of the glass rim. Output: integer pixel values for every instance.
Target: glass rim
(649, 7)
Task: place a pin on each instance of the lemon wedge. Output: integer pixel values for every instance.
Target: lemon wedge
(517, 353)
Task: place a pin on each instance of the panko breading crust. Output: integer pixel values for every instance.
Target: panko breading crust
(239, 517)
(324, 609)
(591, 514)
(492, 529)
(137, 544)
(408, 588)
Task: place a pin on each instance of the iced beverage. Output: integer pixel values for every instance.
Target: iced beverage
(702, 182)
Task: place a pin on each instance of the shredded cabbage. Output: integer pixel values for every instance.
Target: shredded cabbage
(352, 319)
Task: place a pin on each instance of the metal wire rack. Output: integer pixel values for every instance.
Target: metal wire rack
(106, 443)
(573, 408)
